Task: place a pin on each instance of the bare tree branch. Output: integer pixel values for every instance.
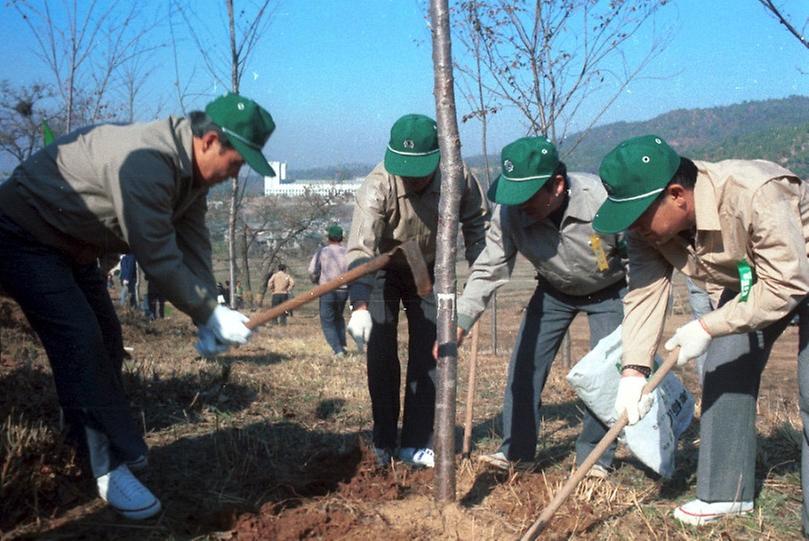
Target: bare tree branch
(783, 18)
(546, 59)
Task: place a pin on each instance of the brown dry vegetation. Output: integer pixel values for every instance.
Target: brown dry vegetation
(271, 442)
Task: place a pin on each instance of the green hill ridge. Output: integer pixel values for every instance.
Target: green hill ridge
(776, 130)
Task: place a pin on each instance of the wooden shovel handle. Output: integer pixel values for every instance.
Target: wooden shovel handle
(560, 497)
(470, 394)
(347, 277)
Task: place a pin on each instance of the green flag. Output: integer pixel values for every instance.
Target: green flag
(47, 134)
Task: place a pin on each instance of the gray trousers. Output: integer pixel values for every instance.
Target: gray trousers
(546, 320)
(733, 366)
(700, 303)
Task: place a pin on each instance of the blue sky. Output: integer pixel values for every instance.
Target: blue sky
(335, 74)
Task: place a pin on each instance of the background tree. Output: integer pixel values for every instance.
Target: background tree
(244, 29)
(481, 104)
(22, 111)
(85, 45)
(548, 58)
(785, 19)
(283, 224)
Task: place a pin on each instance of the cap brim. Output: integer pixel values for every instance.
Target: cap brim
(252, 157)
(411, 166)
(614, 217)
(508, 192)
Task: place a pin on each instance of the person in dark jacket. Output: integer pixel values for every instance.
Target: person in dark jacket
(139, 188)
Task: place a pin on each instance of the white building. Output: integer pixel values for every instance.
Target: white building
(273, 184)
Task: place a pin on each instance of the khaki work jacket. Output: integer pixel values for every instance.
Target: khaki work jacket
(750, 211)
(280, 282)
(386, 214)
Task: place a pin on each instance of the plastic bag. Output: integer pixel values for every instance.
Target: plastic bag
(653, 439)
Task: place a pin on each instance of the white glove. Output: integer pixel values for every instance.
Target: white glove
(207, 345)
(125, 282)
(359, 326)
(229, 325)
(692, 339)
(630, 398)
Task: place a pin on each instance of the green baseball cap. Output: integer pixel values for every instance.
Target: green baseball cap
(634, 174)
(527, 164)
(334, 231)
(246, 125)
(413, 147)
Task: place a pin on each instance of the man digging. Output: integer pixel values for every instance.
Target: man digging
(399, 202)
(121, 188)
(740, 224)
(545, 214)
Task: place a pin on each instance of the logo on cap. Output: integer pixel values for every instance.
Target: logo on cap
(508, 166)
(408, 143)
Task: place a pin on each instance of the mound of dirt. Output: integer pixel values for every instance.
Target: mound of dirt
(349, 477)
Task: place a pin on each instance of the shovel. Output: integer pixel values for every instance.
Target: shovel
(412, 254)
(580, 473)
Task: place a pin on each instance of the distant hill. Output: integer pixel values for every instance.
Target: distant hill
(776, 130)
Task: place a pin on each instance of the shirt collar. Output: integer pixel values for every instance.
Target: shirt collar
(578, 204)
(705, 208)
(434, 186)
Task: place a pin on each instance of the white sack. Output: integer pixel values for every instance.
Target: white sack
(653, 439)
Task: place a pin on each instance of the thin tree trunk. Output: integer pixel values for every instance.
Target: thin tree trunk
(234, 182)
(245, 274)
(451, 181)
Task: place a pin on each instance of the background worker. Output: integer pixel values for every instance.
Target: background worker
(280, 284)
(157, 302)
(326, 264)
(111, 189)
(740, 224)
(129, 280)
(545, 214)
(398, 202)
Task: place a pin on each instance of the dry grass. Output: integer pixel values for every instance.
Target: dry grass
(280, 428)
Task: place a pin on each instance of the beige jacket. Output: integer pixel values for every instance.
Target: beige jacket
(753, 211)
(120, 188)
(386, 214)
(280, 282)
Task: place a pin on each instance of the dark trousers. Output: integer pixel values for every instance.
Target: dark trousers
(332, 305)
(391, 287)
(732, 376)
(157, 306)
(546, 320)
(69, 308)
(278, 298)
(132, 287)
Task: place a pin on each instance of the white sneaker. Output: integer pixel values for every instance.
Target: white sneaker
(498, 460)
(382, 456)
(127, 495)
(418, 457)
(598, 472)
(698, 512)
